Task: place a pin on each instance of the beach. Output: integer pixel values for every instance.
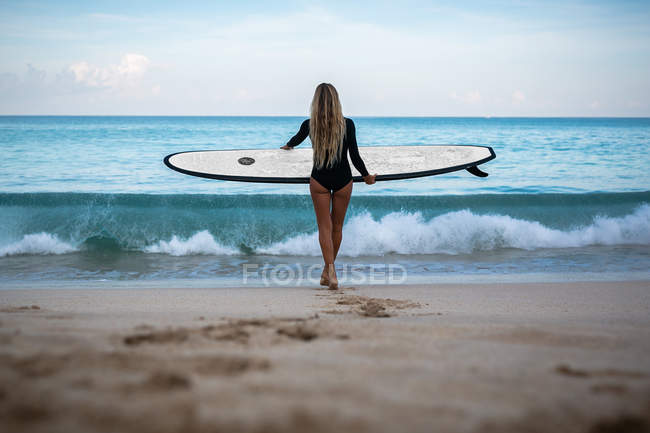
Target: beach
(570, 357)
(137, 299)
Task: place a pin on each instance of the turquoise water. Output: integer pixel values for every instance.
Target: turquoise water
(124, 154)
(89, 199)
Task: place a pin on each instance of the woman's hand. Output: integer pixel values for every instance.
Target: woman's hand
(285, 147)
(370, 179)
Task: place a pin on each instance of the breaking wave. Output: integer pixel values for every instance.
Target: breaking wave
(457, 232)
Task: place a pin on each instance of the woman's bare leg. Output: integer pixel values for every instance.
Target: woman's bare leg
(321, 196)
(340, 201)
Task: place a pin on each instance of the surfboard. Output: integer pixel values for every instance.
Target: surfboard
(294, 165)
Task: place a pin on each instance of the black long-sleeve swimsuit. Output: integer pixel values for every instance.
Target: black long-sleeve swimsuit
(337, 176)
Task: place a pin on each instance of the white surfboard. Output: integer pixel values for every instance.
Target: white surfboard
(294, 165)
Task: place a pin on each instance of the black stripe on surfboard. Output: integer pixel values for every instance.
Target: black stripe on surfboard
(471, 167)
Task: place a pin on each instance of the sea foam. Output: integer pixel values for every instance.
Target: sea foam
(200, 243)
(465, 232)
(37, 243)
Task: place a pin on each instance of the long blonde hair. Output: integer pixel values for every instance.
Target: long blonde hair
(326, 126)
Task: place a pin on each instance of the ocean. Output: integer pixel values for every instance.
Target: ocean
(87, 201)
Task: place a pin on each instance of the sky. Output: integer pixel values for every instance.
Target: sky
(386, 58)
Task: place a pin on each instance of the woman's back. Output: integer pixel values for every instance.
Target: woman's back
(339, 174)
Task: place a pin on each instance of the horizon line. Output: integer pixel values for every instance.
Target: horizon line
(361, 116)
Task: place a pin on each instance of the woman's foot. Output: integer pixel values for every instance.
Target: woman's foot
(324, 279)
(331, 274)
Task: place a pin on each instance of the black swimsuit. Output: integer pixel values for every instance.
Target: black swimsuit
(340, 174)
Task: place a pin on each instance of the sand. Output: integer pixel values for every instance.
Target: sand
(556, 357)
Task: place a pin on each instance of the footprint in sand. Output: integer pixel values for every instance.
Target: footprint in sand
(567, 370)
(241, 331)
(167, 381)
(230, 365)
(299, 331)
(227, 332)
(158, 337)
(371, 307)
(20, 309)
(36, 366)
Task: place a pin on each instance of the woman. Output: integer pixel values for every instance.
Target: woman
(332, 136)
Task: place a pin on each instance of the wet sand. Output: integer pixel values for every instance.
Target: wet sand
(556, 357)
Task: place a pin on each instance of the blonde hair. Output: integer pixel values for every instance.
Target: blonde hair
(326, 126)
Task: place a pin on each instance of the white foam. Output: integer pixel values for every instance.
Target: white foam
(37, 243)
(465, 232)
(200, 243)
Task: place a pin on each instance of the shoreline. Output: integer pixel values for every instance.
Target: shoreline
(230, 283)
(419, 357)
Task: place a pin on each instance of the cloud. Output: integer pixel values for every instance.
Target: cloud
(127, 74)
(96, 89)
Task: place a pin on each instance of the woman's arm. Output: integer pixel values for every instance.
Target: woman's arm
(351, 135)
(299, 137)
